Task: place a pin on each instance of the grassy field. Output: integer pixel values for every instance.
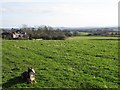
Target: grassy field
(80, 62)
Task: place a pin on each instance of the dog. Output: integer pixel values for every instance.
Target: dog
(28, 76)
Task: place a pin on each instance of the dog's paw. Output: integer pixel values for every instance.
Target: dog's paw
(35, 81)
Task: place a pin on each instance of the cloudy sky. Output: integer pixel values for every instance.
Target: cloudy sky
(67, 13)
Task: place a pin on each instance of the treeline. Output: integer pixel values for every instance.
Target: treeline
(50, 33)
(42, 32)
(104, 33)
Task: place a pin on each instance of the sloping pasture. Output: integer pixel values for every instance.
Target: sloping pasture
(80, 62)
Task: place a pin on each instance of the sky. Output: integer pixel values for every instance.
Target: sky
(59, 13)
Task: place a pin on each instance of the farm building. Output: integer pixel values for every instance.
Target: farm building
(15, 35)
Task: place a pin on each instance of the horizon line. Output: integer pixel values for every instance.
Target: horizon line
(63, 26)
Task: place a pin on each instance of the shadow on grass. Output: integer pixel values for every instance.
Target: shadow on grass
(11, 82)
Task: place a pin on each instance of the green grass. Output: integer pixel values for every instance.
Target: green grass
(80, 62)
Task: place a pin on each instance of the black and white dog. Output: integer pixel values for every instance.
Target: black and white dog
(28, 76)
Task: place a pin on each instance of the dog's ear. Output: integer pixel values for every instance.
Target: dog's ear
(28, 68)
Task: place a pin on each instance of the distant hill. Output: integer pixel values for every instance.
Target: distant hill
(78, 28)
(89, 28)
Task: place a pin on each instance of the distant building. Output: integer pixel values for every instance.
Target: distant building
(15, 35)
(19, 35)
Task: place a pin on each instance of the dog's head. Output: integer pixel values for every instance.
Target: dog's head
(31, 75)
(31, 70)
